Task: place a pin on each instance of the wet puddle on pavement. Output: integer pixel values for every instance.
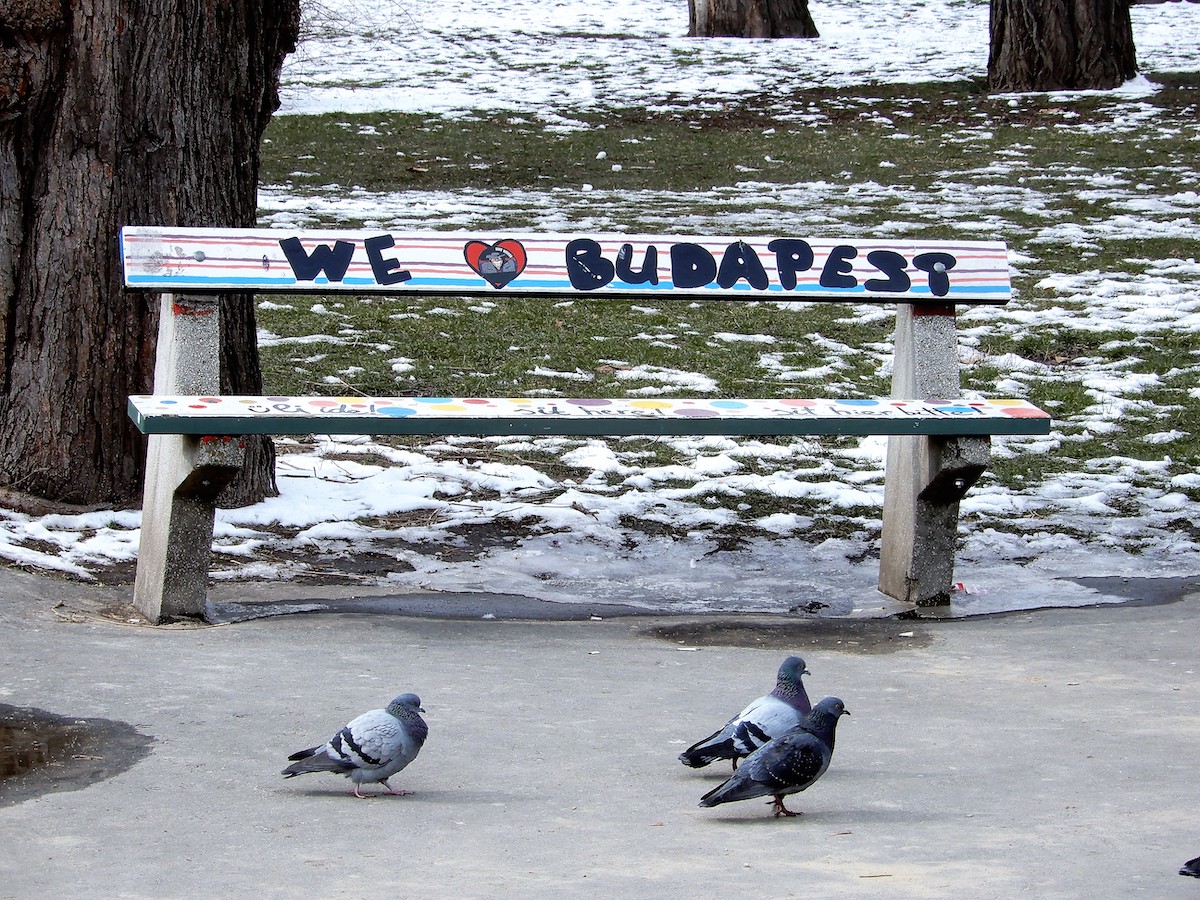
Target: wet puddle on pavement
(24, 748)
(41, 752)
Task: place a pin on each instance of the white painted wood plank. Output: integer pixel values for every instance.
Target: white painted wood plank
(781, 267)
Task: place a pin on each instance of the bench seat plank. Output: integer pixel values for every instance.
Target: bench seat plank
(173, 414)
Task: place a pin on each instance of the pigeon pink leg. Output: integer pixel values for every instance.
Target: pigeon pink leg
(780, 809)
(394, 793)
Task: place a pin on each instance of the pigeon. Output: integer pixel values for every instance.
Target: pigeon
(373, 747)
(787, 765)
(1191, 867)
(767, 717)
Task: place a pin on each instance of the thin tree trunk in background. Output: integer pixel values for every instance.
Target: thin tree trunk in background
(750, 18)
(1051, 45)
(115, 112)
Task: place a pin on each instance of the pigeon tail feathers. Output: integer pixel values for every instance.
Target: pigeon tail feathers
(315, 762)
(708, 751)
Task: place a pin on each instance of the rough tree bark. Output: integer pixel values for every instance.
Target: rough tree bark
(1051, 45)
(750, 18)
(117, 112)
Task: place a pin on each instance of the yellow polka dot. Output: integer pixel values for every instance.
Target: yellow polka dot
(651, 404)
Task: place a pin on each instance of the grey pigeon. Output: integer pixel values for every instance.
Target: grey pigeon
(373, 747)
(787, 765)
(1191, 867)
(767, 717)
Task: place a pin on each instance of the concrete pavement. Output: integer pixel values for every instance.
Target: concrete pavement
(1044, 754)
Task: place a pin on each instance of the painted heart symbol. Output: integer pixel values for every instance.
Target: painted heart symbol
(497, 263)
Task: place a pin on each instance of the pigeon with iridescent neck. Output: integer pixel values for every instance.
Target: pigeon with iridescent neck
(371, 748)
(767, 717)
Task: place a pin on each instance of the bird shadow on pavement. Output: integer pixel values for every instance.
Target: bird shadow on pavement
(835, 818)
(418, 795)
(749, 817)
(707, 775)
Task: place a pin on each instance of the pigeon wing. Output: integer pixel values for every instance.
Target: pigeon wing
(784, 766)
(763, 719)
(791, 763)
(363, 744)
(371, 741)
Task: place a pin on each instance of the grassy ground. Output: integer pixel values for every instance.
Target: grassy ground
(947, 127)
(913, 141)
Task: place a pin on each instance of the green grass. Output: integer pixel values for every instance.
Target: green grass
(454, 348)
(918, 138)
(931, 129)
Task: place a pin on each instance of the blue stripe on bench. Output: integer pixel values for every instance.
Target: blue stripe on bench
(194, 415)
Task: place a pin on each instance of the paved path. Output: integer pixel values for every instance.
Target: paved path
(1046, 754)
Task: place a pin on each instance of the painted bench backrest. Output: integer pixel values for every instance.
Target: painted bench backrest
(785, 267)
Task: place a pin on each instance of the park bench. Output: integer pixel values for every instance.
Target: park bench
(939, 443)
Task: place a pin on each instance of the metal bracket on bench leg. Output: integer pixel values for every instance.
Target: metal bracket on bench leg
(216, 461)
(184, 475)
(956, 464)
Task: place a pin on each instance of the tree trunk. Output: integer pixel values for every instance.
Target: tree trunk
(1053, 45)
(750, 18)
(114, 112)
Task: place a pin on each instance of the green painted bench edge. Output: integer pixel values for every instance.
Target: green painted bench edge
(1029, 421)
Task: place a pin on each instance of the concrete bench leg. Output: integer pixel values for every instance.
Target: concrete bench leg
(184, 474)
(926, 476)
(926, 479)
